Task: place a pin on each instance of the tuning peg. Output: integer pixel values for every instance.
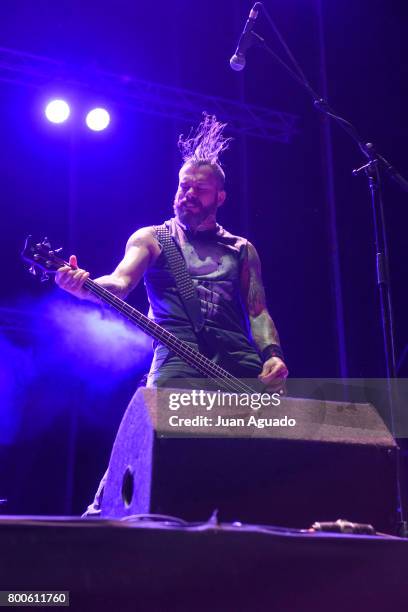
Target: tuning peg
(32, 270)
(45, 243)
(44, 277)
(58, 251)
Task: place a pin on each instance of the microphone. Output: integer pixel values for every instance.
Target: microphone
(238, 61)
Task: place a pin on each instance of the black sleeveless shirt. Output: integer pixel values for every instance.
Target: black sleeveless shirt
(214, 259)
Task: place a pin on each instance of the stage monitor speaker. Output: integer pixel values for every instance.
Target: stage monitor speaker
(338, 461)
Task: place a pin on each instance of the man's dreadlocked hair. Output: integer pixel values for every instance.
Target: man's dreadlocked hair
(204, 146)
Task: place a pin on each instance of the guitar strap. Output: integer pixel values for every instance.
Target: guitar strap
(182, 278)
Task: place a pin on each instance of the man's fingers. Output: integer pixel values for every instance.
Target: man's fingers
(272, 372)
(71, 278)
(277, 377)
(75, 279)
(73, 261)
(277, 369)
(62, 275)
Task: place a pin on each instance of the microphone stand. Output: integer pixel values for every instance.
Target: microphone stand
(375, 166)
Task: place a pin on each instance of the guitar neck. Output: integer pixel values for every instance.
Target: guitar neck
(43, 259)
(198, 361)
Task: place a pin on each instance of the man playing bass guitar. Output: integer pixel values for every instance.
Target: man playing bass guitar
(238, 333)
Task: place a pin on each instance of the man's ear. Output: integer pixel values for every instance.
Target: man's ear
(221, 197)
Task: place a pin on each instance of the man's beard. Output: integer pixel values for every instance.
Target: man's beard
(192, 213)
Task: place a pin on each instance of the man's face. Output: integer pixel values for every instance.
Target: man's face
(198, 195)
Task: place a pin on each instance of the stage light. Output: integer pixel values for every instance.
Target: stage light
(57, 111)
(97, 119)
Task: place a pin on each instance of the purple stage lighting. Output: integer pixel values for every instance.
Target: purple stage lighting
(97, 119)
(57, 111)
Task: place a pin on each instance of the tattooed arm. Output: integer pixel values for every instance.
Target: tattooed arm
(262, 326)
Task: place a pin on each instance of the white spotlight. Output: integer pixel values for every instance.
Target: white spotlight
(57, 111)
(98, 119)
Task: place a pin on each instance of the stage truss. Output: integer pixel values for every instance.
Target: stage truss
(26, 69)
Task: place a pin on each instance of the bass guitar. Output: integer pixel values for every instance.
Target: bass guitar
(44, 261)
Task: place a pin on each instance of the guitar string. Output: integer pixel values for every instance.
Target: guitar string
(206, 366)
(192, 357)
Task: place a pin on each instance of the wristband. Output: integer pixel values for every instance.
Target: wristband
(272, 350)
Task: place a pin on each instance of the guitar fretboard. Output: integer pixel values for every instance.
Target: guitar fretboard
(198, 361)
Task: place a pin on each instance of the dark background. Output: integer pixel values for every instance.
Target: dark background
(67, 371)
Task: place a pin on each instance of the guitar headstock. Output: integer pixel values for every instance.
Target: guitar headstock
(43, 259)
